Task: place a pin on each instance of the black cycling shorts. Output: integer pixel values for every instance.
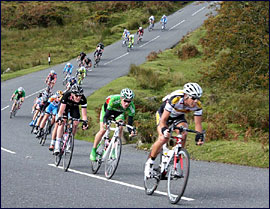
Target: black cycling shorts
(73, 110)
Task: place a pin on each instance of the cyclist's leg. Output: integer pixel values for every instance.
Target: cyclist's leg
(75, 113)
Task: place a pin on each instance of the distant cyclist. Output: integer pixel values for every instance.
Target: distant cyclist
(131, 41)
(115, 105)
(140, 33)
(18, 95)
(163, 21)
(81, 72)
(125, 36)
(81, 58)
(51, 79)
(68, 68)
(88, 63)
(151, 21)
(72, 81)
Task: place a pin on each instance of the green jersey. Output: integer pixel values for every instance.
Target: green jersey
(18, 96)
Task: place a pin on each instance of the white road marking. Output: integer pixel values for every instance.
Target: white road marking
(177, 24)
(197, 11)
(116, 58)
(6, 150)
(117, 182)
(5, 108)
(149, 41)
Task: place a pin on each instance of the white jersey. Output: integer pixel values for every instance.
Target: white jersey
(175, 105)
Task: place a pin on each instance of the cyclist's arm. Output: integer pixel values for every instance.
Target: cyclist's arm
(84, 113)
(61, 109)
(164, 118)
(198, 123)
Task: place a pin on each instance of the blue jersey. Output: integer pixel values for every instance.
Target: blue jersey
(68, 69)
(163, 20)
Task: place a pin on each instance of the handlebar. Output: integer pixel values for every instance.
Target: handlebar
(121, 123)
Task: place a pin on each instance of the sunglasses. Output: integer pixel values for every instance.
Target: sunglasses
(77, 95)
(194, 98)
(127, 101)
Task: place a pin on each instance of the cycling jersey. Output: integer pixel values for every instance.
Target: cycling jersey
(82, 55)
(72, 107)
(163, 20)
(51, 77)
(53, 105)
(113, 106)
(131, 38)
(18, 96)
(82, 70)
(87, 61)
(68, 69)
(140, 32)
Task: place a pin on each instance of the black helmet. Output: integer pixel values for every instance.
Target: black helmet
(77, 90)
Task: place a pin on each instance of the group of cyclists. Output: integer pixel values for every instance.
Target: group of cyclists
(63, 104)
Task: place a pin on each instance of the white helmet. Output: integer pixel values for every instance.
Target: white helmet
(140, 28)
(125, 30)
(163, 16)
(193, 89)
(68, 64)
(20, 89)
(52, 72)
(127, 93)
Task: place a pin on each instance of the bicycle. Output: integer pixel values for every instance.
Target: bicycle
(174, 166)
(125, 42)
(67, 77)
(35, 121)
(66, 144)
(109, 150)
(130, 46)
(139, 39)
(163, 26)
(46, 131)
(97, 60)
(15, 108)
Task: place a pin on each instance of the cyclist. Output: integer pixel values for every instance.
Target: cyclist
(125, 36)
(163, 21)
(101, 46)
(99, 51)
(82, 73)
(51, 79)
(68, 68)
(151, 21)
(116, 105)
(131, 41)
(54, 102)
(140, 32)
(173, 109)
(19, 95)
(35, 108)
(70, 105)
(70, 83)
(81, 58)
(88, 63)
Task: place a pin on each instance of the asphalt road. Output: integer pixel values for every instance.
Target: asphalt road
(29, 178)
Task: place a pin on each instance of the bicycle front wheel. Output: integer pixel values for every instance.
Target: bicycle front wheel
(178, 173)
(95, 165)
(59, 156)
(112, 160)
(68, 151)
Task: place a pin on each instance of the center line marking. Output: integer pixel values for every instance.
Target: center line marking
(116, 58)
(5, 108)
(197, 11)
(149, 41)
(117, 182)
(177, 24)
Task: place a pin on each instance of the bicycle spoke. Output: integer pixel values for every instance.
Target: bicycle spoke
(68, 151)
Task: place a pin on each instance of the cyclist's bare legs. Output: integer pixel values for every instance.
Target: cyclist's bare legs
(99, 134)
(75, 126)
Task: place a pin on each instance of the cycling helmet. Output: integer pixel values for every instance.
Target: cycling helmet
(68, 64)
(125, 30)
(52, 72)
(193, 89)
(20, 89)
(72, 79)
(77, 90)
(127, 93)
(163, 16)
(59, 93)
(140, 28)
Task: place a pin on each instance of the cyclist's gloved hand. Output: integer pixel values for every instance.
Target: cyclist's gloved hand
(166, 132)
(59, 120)
(199, 138)
(85, 125)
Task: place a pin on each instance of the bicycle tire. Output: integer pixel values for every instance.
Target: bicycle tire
(59, 156)
(95, 165)
(48, 124)
(68, 151)
(111, 163)
(151, 183)
(177, 181)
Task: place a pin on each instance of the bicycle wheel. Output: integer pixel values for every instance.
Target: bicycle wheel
(95, 165)
(112, 160)
(46, 133)
(59, 156)
(151, 183)
(178, 176)
(68, 151)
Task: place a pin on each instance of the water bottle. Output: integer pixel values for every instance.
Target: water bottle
(164, 157)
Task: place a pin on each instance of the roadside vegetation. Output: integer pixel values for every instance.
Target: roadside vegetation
(235, 103)
(32, 30)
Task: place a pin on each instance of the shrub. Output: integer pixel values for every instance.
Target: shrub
(187, 51)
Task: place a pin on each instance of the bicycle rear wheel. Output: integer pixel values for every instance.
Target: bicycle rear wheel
(68, 151)
(95, 165)
(178, 176)
(112, 160)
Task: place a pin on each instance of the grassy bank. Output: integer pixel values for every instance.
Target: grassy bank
(32, 30)
(227, 140)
